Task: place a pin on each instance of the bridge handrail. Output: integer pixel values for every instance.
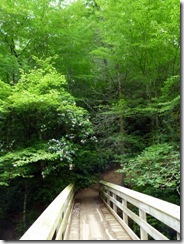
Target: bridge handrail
(52, 223)
(166, 212)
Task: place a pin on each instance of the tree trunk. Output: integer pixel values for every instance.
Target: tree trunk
(121, 122)
(25, 205)
(121, 119)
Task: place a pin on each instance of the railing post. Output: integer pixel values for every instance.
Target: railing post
(165, 212)
(114, 205)
(108, 200)
(143, 233)
(125, 216)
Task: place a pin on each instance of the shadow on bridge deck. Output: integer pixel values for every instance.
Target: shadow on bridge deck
(91, 220)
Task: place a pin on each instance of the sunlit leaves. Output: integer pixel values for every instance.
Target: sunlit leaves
(39, 109)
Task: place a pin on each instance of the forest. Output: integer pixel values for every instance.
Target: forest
(86, 84)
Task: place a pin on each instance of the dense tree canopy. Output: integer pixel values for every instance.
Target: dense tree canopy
(87, 84)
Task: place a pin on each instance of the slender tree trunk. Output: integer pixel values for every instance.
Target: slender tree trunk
(121, 122)
(122, 132)
(25, 205)
(121, 119)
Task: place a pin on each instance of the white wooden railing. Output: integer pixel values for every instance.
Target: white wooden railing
(52, 223)
(118, 198)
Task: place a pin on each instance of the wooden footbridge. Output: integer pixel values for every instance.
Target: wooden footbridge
(109, 213)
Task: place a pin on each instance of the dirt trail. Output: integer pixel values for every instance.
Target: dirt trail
(110, 176)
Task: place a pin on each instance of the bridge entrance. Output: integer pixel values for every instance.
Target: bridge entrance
(91, 220)
(104, 213)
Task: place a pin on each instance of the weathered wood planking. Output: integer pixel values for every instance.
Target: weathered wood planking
(93, 221)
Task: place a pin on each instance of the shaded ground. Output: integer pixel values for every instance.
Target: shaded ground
(110, 176)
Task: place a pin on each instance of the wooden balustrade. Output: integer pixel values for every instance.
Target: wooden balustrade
(52, 223)
(121, 197)
(126, 205)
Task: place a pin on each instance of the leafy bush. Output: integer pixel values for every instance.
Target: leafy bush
(158, 166)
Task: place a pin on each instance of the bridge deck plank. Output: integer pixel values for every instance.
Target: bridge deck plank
(91, 220)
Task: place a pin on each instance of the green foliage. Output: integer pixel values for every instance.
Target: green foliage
(5, 90)
(157, 166)
(46, 128)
